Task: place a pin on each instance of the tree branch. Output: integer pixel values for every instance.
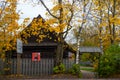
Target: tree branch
(48, 9)
(69, 26)
(84, 17)
(5, 3)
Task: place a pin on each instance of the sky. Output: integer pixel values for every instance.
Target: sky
(31, 9)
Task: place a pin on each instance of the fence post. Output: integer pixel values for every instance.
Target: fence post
(18, 64)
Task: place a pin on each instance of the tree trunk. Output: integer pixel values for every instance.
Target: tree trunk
(112, 27)
(78, 50)
(109, 25)
(59, 52)
(113, 14)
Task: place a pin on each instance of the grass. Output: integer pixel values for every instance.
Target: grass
(87, 69)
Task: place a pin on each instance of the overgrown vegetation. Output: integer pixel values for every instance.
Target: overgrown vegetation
(59, 69)
(75, 70)
(109, 62)
(89, 59)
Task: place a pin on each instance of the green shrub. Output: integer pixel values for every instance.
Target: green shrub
(109, 62)
(1, 72)
(59, 69)
(75, 70)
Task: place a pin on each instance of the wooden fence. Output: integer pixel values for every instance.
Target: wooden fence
(1, 66)
(29, 67)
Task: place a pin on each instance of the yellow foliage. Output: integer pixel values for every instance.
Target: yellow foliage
(95, 65)
(79, 20)
(57, 29)
(104, 24)
(9, 27)
(6, 69)
(117, 39)
(56, 8)
(2, 56)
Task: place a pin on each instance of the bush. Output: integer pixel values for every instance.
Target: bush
(109, 62)
(59, 69)
(1, 73)
(75, 70)
(88, 59)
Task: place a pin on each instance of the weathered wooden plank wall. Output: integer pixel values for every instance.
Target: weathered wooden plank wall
(1, 66)
(29, 67)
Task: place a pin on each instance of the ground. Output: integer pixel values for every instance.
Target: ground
(53, 76)
(86, 74)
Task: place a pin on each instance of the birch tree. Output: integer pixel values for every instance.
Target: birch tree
(85, 10)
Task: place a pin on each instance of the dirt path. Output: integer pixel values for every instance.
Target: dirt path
(88, 74)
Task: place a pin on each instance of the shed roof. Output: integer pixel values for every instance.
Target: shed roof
(41, 44)
(90, 50)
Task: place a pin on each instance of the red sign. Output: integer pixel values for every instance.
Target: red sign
(35, 56)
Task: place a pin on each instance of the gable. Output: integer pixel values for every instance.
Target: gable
(50, 40)
(49, 37)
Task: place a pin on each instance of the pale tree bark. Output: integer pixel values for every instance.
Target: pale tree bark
(80, 28)
(100, 29)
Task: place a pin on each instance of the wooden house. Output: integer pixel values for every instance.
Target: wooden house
(46, 50)
(47, 47)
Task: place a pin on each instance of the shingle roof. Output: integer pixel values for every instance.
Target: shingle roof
(90, 49)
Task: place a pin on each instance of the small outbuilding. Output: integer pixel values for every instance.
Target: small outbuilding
(38, 58)
(89, 49)
(86, 49)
